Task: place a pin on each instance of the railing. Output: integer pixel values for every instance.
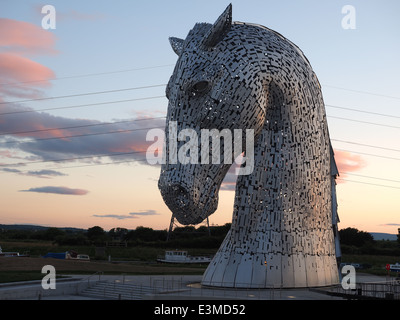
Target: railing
(98, 273)
(182, 287)
(370, 290)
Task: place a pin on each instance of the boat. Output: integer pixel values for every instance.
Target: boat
(68, 255)
(181, 256)
(12, 254)
(395, 267)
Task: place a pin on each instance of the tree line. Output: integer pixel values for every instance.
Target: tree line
(352, 241)
(182, 237)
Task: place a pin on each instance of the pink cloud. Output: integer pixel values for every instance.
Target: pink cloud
(26, 38)
(19, 75)
(15, 68)
(348, 162)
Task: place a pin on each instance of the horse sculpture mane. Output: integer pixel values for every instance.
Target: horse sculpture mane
(239, 76)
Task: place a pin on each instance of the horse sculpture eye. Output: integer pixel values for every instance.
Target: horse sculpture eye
(200, 86)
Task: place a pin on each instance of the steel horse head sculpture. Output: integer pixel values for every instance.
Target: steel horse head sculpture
(238, 76)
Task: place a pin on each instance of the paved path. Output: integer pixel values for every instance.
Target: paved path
(173, 288)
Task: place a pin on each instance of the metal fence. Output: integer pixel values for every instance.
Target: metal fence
(184, 287)
(370, 290)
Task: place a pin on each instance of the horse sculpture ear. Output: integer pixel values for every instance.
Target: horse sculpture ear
(177, 45)
(219, 29)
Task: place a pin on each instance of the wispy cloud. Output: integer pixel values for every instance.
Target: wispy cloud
(58, 190)
(40, 173)
(11, 170)
(45, 173)
(131, 215)
(391, 225)
(114, 216)
(144, 213)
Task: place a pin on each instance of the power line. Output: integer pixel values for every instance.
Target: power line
(369, 177)
(120, 101)
(74, 158)
(369, 154)
(365, 122)
(158, 97)
(138, 129)
(162, 85)
(127, 121)
(81, 126)
(365, 145)
(140, 160)
(132, 130)
(363, 92)
(151, 86)
(86, 75)
(363, 111)
(101, 164)
(367, 183)
(163, 66)
(128, 153)
(84, 94)
(82, 105)
(85, 135)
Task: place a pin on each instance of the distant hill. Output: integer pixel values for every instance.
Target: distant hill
(35, 227)
(383, 236)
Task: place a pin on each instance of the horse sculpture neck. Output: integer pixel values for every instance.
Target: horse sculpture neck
(282, 224)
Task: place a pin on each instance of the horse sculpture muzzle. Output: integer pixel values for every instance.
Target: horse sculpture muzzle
(191, 200)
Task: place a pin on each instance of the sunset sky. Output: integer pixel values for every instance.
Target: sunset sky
(98, 82)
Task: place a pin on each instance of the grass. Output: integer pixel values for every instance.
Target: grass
(142, 261)
(377, 262)
(136, 253)
(15, 276)
(29, 268)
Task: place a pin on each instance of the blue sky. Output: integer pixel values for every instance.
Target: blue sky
(357, 68)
